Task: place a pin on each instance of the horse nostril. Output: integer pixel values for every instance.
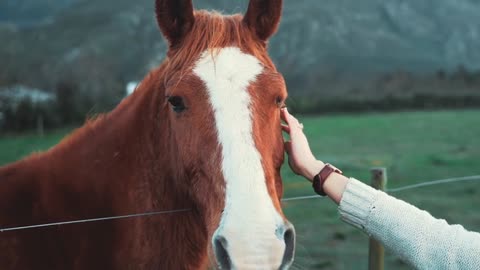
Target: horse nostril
(220, 248)
(289, 238)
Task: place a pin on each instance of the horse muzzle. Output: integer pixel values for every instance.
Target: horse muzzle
(248, 246)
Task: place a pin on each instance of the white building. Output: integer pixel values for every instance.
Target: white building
(130, 87)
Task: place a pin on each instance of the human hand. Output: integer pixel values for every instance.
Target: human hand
(300, 157)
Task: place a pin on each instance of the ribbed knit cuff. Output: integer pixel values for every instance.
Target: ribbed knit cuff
(356, 204)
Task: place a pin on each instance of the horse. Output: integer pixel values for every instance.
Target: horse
(202, 132)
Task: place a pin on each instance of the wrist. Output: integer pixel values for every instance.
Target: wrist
(312, 169)
(330, 182)
(334, 186)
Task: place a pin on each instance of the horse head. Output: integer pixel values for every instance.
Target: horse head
(223, 97)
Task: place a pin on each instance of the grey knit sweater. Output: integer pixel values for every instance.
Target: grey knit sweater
(412, 234)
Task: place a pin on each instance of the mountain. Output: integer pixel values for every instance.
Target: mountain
(47, 41)
(31, 12)
(381, 34)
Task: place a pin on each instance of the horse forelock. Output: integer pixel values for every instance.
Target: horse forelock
(213, 30)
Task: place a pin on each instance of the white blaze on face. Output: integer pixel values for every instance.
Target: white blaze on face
(250, 223)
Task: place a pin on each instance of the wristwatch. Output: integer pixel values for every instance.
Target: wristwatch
(322, 176)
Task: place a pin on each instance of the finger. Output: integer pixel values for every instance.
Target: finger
(295, 129)
(290, 163)
(283, 114)
(288, 147)
(286, 128)
(294, 125)
(290, 119)
(286, 116)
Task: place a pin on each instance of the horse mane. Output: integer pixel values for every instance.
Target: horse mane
(89, 130)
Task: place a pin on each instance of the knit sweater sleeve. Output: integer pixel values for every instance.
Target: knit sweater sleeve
(410, 233)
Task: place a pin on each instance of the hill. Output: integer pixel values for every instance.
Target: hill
(339, 49)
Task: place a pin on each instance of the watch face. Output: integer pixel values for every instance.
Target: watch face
(335, 169)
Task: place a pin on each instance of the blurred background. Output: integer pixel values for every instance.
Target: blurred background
(394, 83)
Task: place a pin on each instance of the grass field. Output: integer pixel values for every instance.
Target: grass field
(414, 146)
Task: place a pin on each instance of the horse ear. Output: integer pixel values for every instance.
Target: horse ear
(263, 17)
(175, 18)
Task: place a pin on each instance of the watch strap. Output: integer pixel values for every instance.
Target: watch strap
(322, 176)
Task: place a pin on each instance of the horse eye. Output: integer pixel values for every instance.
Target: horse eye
(177, 103)
(280, 102)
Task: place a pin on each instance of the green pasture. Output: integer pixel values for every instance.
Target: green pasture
(413, 146)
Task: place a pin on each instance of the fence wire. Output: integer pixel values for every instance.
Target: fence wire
(92, 220)
(302, 198)
(393, 190)
(435, 182)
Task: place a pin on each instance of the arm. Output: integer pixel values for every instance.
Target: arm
(412, 234)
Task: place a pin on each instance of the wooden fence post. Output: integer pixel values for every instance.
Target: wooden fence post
(376, 251)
